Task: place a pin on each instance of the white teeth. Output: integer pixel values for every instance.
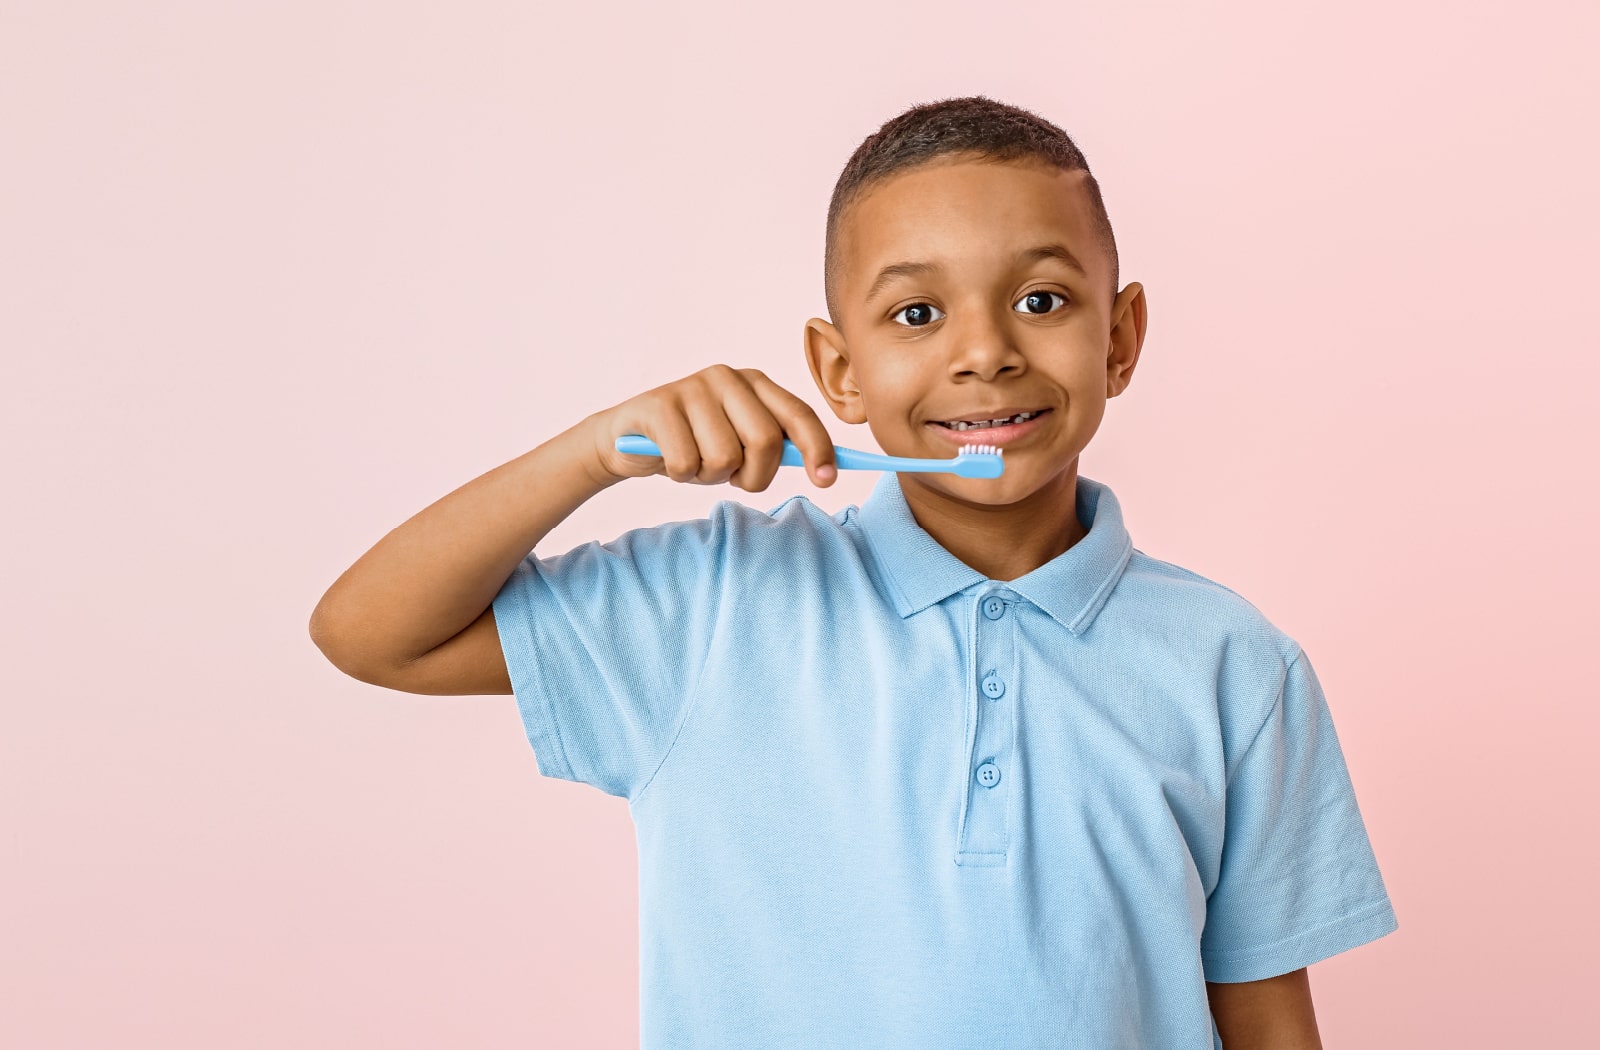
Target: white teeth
(961, 424)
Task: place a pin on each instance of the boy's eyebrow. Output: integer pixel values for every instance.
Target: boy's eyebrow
(889, 273)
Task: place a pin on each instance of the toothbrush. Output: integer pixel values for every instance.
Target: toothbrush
(974, 461)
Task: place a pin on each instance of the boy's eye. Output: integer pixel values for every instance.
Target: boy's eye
(922, 309)
(1041, 295)
(1039, 298)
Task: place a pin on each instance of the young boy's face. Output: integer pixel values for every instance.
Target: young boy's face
(982, 326)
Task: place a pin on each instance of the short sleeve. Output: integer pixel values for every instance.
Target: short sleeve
(1298, 880)
(604, 646)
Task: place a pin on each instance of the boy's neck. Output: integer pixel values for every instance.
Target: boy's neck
(1004, 542)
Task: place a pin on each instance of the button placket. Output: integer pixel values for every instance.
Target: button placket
(983, 827)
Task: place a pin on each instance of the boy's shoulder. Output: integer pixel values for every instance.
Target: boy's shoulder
(729, 519)
(1188, 598)
(796, 533)
(796, 514)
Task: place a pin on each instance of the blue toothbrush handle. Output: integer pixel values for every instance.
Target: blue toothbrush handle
(639, 445)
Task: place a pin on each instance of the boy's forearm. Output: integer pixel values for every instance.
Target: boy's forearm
(431, 577)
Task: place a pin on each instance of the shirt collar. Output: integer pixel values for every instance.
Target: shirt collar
(1071, 587)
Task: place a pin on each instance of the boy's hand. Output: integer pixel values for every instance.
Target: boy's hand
(719, 424)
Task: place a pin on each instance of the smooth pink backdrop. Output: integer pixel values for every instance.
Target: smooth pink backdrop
(275, 277)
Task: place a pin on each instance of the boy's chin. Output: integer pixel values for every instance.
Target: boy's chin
(1011, 487)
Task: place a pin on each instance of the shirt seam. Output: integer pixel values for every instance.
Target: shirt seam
(549, 715)
(693, 693)
(1282, 688)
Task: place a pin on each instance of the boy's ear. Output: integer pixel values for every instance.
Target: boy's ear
(829, 359)
(1129, 320)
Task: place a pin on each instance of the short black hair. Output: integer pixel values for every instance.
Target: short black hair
(987, 129)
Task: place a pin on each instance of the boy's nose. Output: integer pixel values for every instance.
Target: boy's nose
(985, 358)
(981, 343)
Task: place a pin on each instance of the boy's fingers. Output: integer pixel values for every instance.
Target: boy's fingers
(802, 426)
(680, 452)
(760, 435)
(717, 440)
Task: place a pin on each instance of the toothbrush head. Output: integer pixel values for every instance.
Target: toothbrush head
(979, 461)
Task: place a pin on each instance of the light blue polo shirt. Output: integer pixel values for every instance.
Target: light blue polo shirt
(882, 800)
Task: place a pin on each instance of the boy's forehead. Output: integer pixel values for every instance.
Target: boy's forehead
(965, 213)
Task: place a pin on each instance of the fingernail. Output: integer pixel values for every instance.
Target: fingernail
(826, 472)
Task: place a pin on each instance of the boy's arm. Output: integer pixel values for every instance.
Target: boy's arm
(1272, 1014)
(414, 612)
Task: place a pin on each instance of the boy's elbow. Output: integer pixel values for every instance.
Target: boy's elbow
(330, 649)
(343, 658)
(469, 664)
(336, 646)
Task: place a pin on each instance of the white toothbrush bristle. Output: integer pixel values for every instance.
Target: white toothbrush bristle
(982, 450)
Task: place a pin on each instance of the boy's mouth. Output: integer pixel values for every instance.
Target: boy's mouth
(990, 424)
(991, 431)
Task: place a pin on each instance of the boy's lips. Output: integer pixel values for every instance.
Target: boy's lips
(1000, 435)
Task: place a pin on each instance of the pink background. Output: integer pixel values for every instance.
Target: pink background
(274, 277)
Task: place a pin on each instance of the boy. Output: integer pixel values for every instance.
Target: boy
(960, 767)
